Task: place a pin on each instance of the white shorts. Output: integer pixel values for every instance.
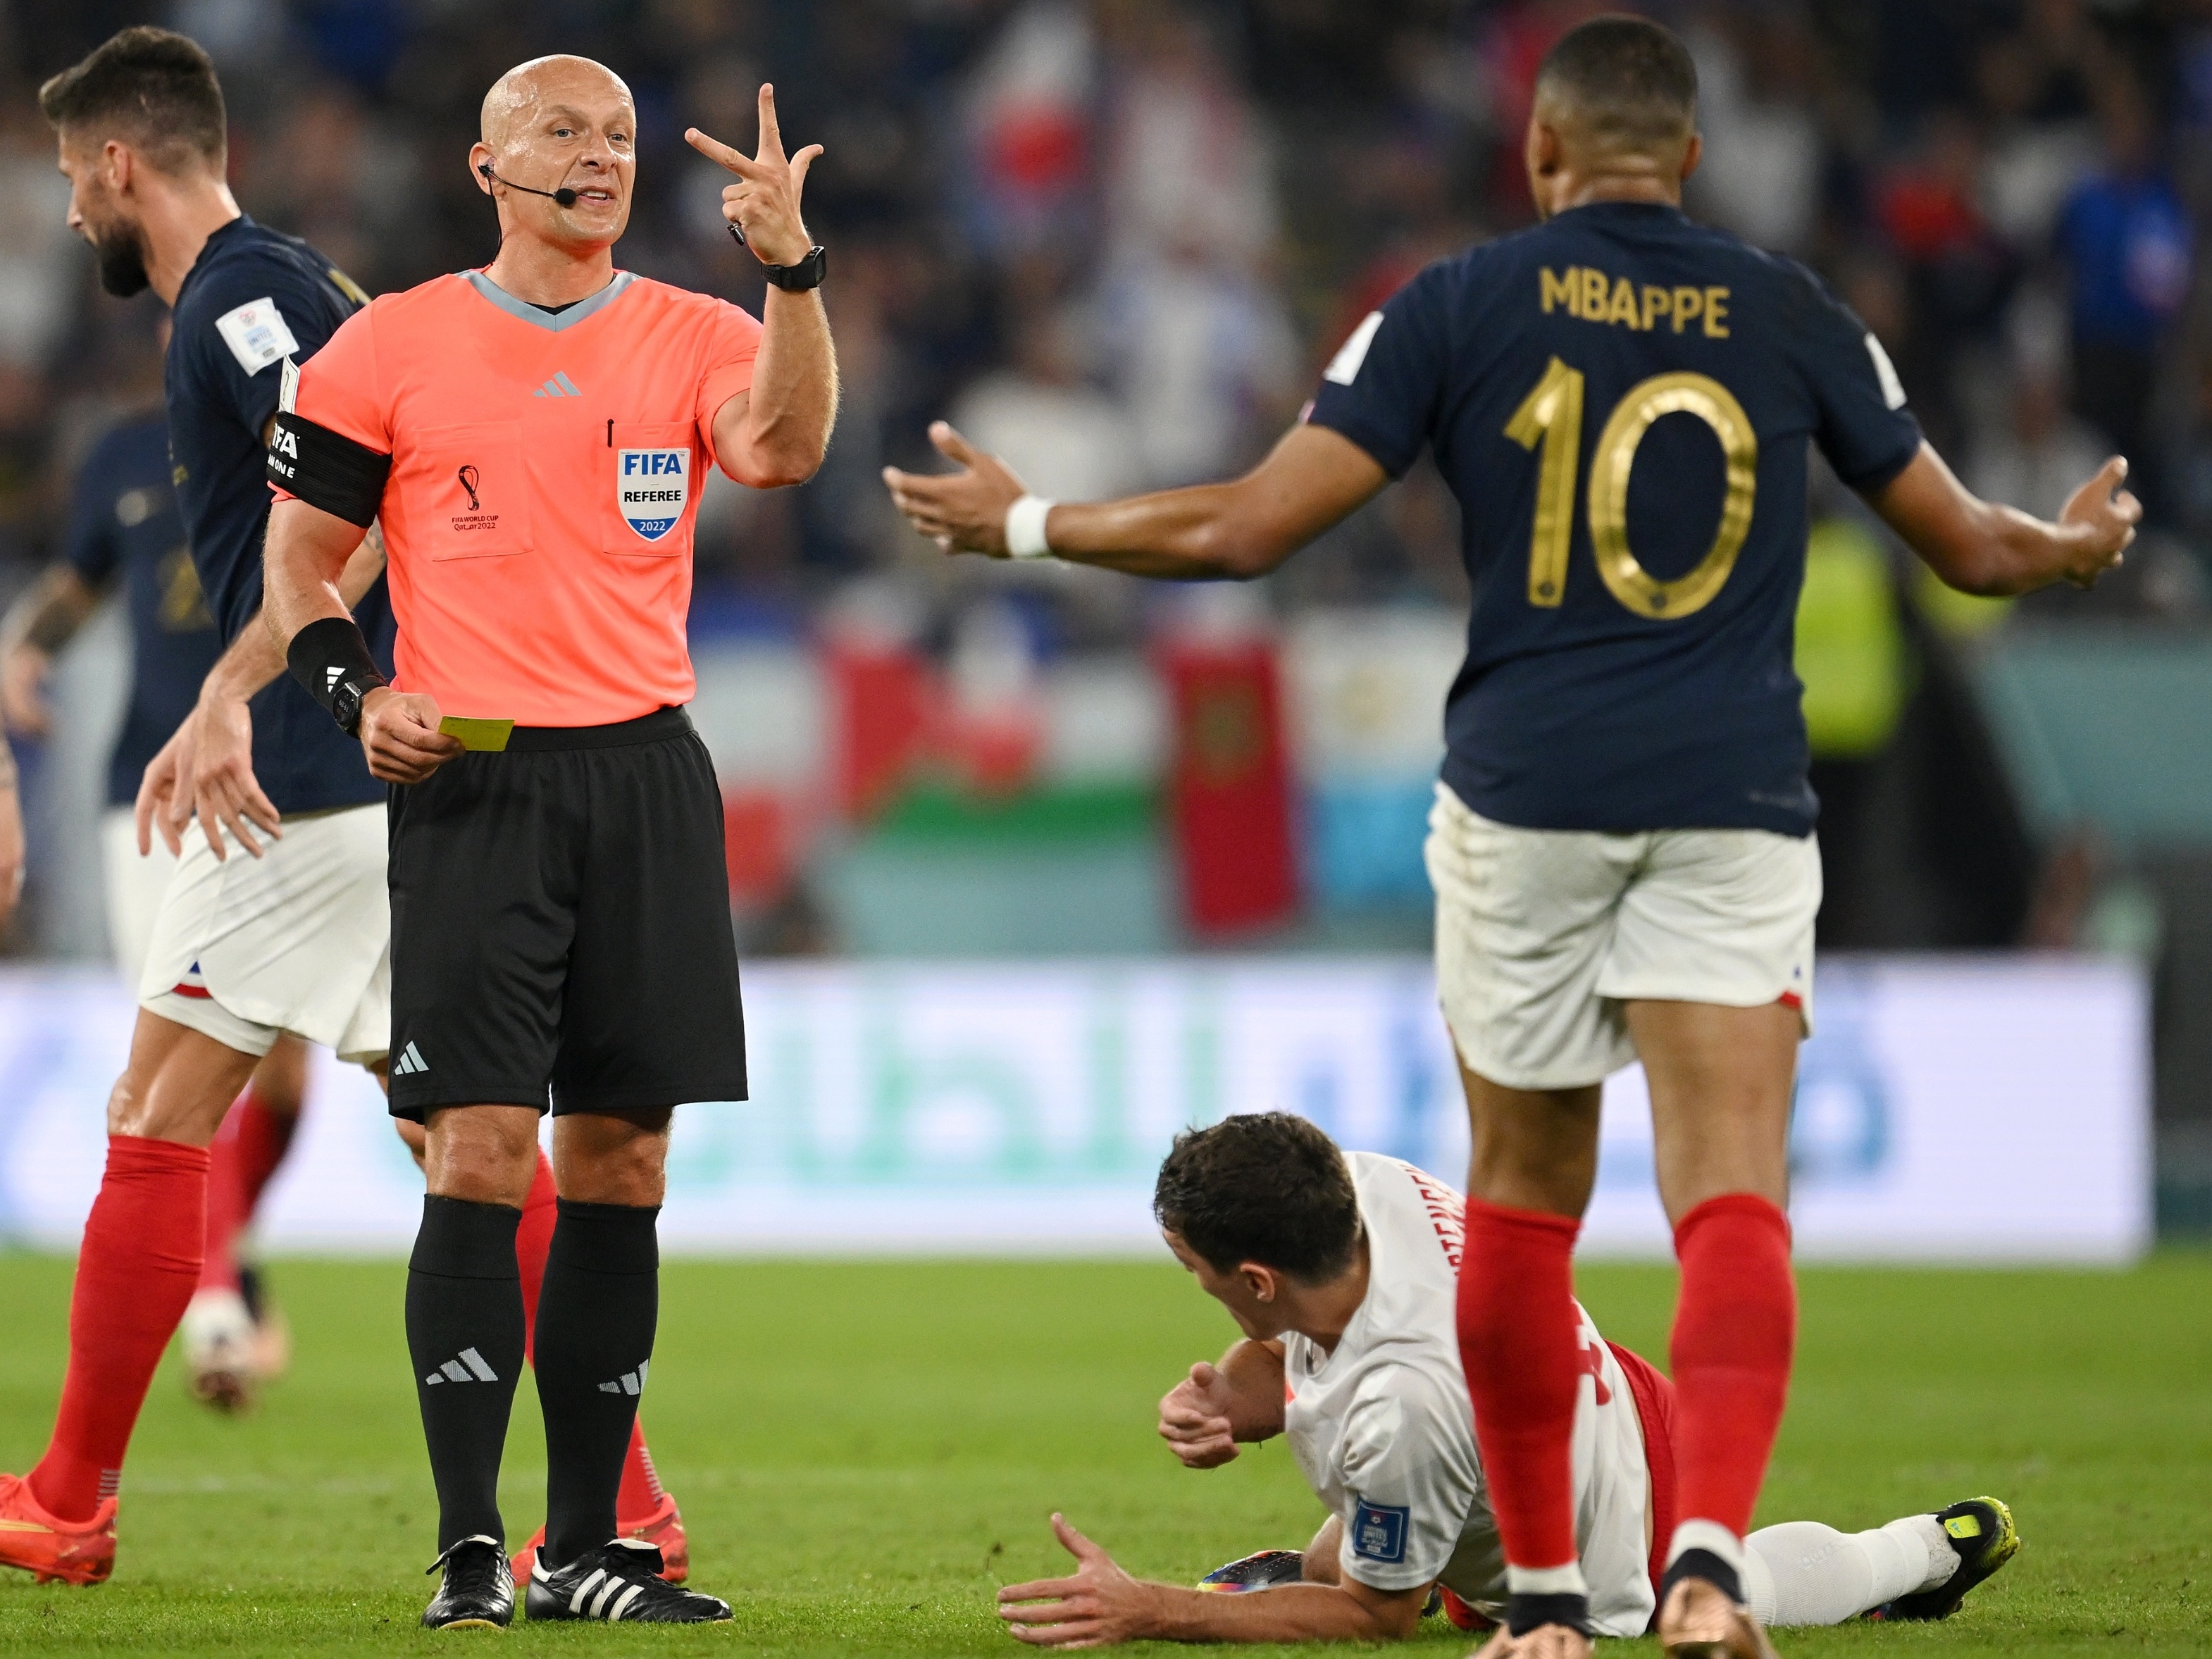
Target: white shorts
(135, 886)
(298, 939)
(1542, 935)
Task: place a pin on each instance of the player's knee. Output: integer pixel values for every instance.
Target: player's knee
(150, 1107)
(280, 1081)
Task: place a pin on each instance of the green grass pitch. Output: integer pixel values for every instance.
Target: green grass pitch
(865, 1451)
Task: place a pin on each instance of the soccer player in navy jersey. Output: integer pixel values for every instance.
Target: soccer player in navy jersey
(1621, 401)
(125, 532)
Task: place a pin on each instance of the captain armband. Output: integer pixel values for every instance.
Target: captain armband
(327, 468)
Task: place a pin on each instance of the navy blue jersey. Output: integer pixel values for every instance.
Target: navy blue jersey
(1621, 400)
(123, 525)
(253, 298)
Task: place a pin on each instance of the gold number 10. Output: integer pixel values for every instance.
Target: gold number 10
(1551, 415)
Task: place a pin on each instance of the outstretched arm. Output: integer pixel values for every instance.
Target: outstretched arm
(1313, 478)
(1101, 1604)
(1980, 547)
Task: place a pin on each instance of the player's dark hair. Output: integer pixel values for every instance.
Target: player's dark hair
(1266, 1187)
(152, 85)
(1631, 82)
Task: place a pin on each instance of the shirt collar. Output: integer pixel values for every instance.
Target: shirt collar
(552, 322)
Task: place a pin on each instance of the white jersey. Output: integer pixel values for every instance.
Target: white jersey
(1383, 1432)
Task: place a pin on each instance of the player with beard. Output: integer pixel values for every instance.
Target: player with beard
(295, 937)
(125, 532)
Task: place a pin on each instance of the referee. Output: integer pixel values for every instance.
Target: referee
(530, 436)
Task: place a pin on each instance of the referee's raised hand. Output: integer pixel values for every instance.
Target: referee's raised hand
(764, 204)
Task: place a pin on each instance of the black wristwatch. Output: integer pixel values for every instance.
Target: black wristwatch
(797, 278)
(345, 705)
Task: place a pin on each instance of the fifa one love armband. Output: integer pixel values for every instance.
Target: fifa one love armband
(327, 468)
(322, 468)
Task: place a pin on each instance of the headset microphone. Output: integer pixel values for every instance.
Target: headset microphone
(561, 198)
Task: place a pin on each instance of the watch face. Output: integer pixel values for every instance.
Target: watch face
(345, 707)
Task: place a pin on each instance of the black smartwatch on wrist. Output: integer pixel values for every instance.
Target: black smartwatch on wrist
(346, 706)
(793, 278)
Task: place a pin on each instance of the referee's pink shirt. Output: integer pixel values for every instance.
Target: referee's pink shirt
(545, 474)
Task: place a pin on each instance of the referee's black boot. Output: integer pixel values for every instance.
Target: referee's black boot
(618, 1583)
(478, 1590)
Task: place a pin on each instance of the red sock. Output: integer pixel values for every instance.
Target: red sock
(135, 1271)
(1520, 1342)
(1734, 1333)
(641, 1492)
(532, 1239)
(247, 1149)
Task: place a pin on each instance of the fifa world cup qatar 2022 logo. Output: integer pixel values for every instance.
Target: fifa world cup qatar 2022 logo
(475, 520)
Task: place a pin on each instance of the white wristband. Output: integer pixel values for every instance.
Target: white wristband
(1025, 528)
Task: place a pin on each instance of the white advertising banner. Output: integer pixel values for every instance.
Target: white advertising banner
(1949, 1109)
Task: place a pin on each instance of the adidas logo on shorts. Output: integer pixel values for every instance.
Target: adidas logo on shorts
(409, 1062)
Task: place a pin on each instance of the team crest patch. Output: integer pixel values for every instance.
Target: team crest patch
(1378, 1531)
(651, 486)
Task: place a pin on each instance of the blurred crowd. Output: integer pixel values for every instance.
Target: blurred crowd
(1114, 238)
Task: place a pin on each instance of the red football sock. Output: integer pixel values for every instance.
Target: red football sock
(1519, 1340)
(1734, 1330)
(532, 1241)
(247, 1149)
(642, 1492)
(135, 1272)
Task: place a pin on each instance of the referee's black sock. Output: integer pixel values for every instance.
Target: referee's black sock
(595, 1322)
(464, 1333)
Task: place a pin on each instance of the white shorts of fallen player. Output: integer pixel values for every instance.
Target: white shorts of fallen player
(1543, 934)
(298, 939)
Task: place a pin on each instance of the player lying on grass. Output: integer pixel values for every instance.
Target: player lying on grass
(1340, 1270)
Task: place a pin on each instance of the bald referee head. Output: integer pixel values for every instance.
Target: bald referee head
(553, 124)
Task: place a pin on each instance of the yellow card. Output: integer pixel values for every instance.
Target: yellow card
(489, 735)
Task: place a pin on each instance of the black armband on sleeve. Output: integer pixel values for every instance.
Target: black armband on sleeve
(331, 657)
(327, 468)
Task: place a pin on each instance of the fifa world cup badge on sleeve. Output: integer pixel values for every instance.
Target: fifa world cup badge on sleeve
(1378, 1531)
(651, 486)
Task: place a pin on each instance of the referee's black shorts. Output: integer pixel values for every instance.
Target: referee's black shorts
(560, 925)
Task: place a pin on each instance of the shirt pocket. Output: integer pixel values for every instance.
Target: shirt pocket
(649, 474)
(465, 492)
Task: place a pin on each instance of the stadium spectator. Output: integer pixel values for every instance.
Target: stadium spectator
(2129, 249)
